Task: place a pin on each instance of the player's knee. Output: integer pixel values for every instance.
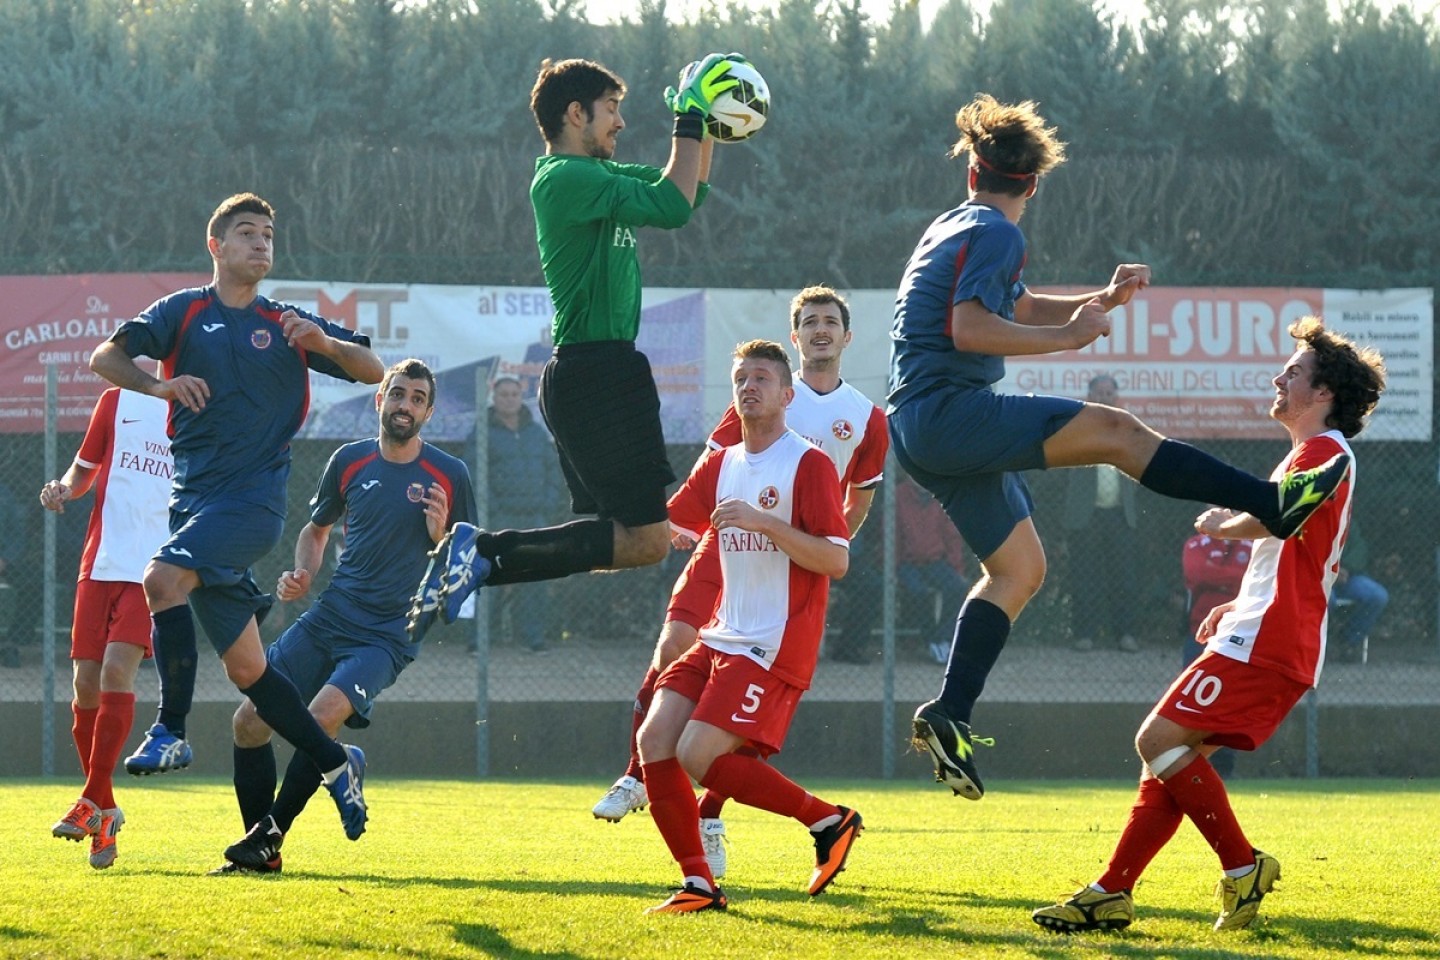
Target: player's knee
(695, 758)
(249, 730)
(163, 585)
(117, 677)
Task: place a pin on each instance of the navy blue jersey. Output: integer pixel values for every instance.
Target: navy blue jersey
(238, 447)
(386, 541)
(972, 252)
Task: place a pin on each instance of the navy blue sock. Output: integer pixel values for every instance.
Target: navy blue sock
(547, 553)
(980, 634)
(172, 635)
(1188, 473)
(279, 705)
(302, 779)
(254, 781)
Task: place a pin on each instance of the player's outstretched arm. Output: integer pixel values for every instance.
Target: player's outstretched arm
(309, 555)
(356, 359)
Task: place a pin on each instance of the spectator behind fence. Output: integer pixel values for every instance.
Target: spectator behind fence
(930, 560)
(524, 492)
(12, 546)
(1359, 599)
(1100, 519)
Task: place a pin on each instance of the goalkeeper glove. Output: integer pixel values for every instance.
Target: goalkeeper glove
(701, 82)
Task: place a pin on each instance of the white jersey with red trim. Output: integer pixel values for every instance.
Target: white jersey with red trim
(844, 423)
(127, 442)
(1280, 616)
(771, 609)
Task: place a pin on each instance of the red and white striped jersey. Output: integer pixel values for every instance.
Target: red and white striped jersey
(1281, 613)
(844, 423)
(771, 609)
(126, 440)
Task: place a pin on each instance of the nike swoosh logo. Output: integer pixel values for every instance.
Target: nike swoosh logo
(735, 119)
(129, 419)
(366, 486)
(182, 552)
(1185, 709)
(738, 719)
(211, 327)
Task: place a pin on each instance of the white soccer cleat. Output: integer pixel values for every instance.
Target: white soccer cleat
(712, 837)
(626, 795)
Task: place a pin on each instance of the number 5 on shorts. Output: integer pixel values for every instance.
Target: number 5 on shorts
(749, 704)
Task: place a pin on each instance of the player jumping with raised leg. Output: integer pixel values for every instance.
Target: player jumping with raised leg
(962, 308)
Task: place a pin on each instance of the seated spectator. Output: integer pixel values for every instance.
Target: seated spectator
(930, 564)
(1358, 599)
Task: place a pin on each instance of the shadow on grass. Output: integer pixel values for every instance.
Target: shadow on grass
(16, 933)
(492, 943)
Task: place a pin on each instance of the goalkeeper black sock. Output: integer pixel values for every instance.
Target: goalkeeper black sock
(547, 553)
(172, 637)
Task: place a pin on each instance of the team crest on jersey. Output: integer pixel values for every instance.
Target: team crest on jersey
(260, 339)
(415, 492)
(768, 498)
(842, 429)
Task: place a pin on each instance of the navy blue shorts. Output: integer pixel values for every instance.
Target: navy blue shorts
(220, 542)
(312, 654)
(968, 446)
(602, 407)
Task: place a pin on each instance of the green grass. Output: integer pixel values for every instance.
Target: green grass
(520, 869)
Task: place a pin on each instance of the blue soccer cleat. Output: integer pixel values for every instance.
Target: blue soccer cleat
(425, 605)
(348, 791)
(465, 569)
(160, 752)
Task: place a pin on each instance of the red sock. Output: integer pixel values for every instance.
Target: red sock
(643, 697)
(711, 803)
(672, 807)
(112, 726)
(755, 783)
(83, 729)
(1154, 818)
(1200, 794)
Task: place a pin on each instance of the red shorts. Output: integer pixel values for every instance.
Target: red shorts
(1239, 705)
(734, 693)
(108, 611)
(697, 589)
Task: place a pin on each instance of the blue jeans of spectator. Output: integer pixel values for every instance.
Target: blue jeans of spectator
(1363, 600)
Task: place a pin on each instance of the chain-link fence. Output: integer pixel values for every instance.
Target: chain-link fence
(566, 656)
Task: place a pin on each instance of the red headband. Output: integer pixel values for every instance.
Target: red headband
(999, 173)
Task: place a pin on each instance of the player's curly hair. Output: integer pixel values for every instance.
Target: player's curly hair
(767, 350)
(1009, 144)
(1354, 374)
(818, 294)
(569, 81)
(231, 207)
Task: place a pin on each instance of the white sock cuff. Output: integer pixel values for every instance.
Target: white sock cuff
(1166, 760)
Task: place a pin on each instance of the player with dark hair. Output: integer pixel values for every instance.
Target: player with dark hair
(236, 372)
(962, 308)
(597, 392)
(773, 501)
(843, 423)
(125, 459)
(396, 496)
(1264, 651)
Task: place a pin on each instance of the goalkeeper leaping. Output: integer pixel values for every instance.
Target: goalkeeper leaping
(597, 393)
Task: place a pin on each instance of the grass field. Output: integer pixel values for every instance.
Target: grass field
(520, 869)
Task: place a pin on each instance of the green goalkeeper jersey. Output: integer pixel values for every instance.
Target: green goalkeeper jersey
(586, 213)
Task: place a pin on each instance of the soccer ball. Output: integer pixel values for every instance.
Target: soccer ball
(740, 112)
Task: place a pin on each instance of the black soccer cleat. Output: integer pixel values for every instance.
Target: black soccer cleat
(1302, 492)
(951, 746)
(258, 850)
